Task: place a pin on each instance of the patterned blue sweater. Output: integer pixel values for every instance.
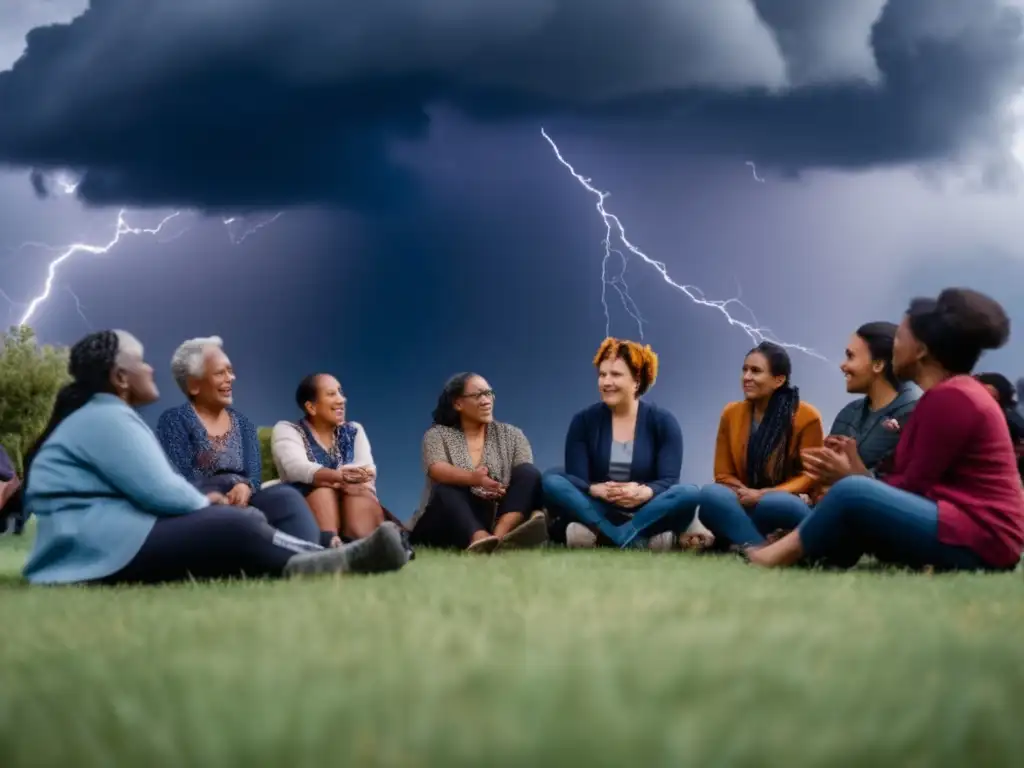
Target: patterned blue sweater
(187, 445)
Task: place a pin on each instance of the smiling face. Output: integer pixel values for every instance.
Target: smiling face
(329, 405)
(860, 370)
(215, 388)
(476, 403)
(757, 380)
(615, 382)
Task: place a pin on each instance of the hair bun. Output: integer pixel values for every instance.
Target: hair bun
(978, 319)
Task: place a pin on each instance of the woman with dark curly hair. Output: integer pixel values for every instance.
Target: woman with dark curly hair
(623, 458)
(112, 509)
(482, 491)
(758, 450)
(954, 499)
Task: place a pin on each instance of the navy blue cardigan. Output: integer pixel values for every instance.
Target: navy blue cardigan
(657, 448)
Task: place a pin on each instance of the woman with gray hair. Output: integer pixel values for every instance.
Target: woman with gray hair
(112, 510)
(216, 448)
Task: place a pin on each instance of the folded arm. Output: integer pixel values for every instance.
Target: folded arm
(437, 466)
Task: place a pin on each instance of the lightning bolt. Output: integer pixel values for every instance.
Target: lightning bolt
(753, 170)
(237, 227)
(615, 234)
(78, 306)
(122, 229)
(249, 230)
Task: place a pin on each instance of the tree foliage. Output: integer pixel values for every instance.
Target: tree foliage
(269, 468)
(30, 376)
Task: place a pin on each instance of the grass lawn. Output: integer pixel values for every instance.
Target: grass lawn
(543, 658)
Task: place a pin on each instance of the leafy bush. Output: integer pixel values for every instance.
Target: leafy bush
(269, 470)
(30, 377)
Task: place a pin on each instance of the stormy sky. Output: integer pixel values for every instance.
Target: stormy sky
(426, 226)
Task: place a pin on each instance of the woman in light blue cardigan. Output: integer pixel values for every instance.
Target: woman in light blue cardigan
(111, 509)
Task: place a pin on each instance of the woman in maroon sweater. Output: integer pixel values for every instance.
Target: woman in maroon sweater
(953, 499)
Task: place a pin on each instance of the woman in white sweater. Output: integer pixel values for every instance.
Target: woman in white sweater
(329, 460)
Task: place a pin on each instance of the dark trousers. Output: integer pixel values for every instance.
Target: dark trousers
(282, 505)
(216, 542)
(454, 514)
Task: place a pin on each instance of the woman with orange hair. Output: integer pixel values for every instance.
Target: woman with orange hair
(623, 457)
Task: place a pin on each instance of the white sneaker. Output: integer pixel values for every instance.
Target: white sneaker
(662, 542)
(578, 536)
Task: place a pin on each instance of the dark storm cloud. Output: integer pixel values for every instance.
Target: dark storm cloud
(252, 103)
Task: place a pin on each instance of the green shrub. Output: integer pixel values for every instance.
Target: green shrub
(269, 470)
(30, 377)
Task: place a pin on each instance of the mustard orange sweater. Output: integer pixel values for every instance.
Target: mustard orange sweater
(734, 432)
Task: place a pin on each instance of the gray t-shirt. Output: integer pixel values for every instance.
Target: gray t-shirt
(620, 461)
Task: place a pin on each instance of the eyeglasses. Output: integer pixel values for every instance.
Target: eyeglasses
(481, 394)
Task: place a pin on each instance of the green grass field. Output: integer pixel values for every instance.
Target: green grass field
(542, 658)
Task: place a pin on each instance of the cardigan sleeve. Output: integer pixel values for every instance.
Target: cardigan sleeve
(251, 452)
(174, 439)
(289, 452)
(725, 468)
(669, 459)
(124, 451)
(362, 456)
(522, 452)
(577, 459)
(811, 436)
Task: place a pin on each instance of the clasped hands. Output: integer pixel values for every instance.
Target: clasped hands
(625, 495)
(353, 481)
(836, 459)
(238, 496)
(485, 486)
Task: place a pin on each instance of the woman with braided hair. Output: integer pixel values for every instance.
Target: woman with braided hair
(953, 500)
(758, 450)
(623, 457)
(111, 508)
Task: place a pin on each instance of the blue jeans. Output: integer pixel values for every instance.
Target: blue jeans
(723, 515)
(672, 510)
(860, 515)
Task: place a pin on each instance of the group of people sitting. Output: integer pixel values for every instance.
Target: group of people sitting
(922, 471)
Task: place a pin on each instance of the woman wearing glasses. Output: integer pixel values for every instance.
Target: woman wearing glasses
(482, 490)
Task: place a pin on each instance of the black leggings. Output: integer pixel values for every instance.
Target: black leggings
(283, 506)
(454, 514)
(216, 542)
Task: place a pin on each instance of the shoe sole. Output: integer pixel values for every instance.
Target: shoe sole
(484, 546)
(531, 534)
